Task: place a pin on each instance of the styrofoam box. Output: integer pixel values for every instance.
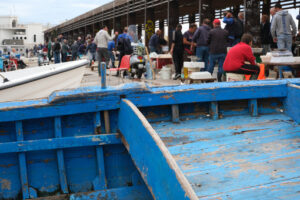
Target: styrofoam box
(200, 75)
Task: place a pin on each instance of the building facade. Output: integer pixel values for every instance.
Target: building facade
(19, 36)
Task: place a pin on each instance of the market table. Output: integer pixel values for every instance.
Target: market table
(295, 64)
(162, 60)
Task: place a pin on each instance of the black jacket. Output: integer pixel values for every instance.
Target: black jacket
(56, 47)
(265, 33)
(217, 41)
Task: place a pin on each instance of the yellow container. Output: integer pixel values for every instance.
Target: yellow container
(186, 72)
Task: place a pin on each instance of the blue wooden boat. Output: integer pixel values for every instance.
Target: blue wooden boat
(212, 141)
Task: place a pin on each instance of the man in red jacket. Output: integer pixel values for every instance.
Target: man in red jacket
(240, 58)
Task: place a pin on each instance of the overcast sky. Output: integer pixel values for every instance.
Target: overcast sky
(47, 11)
(54, 11)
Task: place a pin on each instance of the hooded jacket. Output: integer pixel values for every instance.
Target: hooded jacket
(201, 35)
(283, 24)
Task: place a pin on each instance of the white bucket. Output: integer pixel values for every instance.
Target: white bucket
(165, 73)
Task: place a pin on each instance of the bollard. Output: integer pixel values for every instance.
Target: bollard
(103, 75)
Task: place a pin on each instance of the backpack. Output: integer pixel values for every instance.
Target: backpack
(124, 45)
(120, 45)
(127, 46)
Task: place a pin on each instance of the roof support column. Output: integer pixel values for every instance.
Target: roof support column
(192, 18)
(266, 7)
(206, 10)
(149, 22)
(162, 26)
(252, 20)
(173, 17)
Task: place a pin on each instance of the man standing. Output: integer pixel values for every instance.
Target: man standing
(122, 40)
(64, 51)
(91, 50)
(74, 50)
(188, 40)
(265, 34)
(200, 38)
(56, 51)
(111, 48)
(272, 13)
(177, 50)
(101, 40)
(283, 28)
(235, 27)
(217, 41)
(154, 44)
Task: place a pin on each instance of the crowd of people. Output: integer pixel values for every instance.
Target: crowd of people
(210, 44)
(102, 47)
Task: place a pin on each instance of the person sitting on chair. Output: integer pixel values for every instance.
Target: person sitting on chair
(240, 58)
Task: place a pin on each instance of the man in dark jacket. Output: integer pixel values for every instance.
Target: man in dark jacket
(154, 44)
(217, 41)
(74, 50)
(56, 51)
(200, 38)
(235, 28)
(177, 50)
(265, 32)
(64, 51)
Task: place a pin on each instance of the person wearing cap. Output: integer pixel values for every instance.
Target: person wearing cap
(217, 42)
(177, 50)
(283, 28)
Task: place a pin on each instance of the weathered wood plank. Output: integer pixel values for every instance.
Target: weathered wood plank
(59, 143)
(22, 163)
(155, 161)
(175, 113)
(92, 99)
(102, 183)
(292, 102)
(60, 158)
(253, 108)
(240, 153)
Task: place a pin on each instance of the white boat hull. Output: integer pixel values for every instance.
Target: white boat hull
(34, 87)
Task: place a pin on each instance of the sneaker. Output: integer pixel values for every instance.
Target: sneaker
(177, 76)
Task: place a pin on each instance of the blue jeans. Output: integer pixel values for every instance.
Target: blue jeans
(202, 54)
(213, 59)
(285, 42)
(74, 56)
(112, 58)
(56, 57)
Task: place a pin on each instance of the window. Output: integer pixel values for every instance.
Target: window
(17, 38)
(34, 38)
(25, 38)
(21, 38)
(13, 38)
